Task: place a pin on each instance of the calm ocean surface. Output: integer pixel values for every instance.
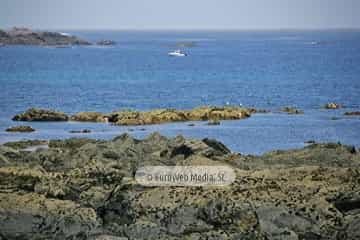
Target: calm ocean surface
(266, 70)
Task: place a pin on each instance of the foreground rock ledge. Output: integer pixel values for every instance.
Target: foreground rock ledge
(84, 189)
(127, 117)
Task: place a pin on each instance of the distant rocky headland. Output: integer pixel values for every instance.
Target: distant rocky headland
(25, 36)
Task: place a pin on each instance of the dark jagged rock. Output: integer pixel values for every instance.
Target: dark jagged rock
(34, 114)
(20, 129)
(346, 202)
(216, 145)
(25, 36)
(85, 189)
(278, 223)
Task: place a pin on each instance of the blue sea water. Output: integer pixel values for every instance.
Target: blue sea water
(262, 69)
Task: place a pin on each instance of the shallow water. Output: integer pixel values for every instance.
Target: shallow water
(258, 69)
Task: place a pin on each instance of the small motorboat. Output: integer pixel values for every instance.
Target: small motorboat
(177, 53)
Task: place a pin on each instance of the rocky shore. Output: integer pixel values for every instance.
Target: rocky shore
(25, 36)
(133, 118)
(85, 189)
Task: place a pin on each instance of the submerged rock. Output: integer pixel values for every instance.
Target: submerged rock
(213, 123)
(35, 114)
(20, 129)
(290, 110)
(80, 131)
(357, 113)
(85, 189)
(186, 44)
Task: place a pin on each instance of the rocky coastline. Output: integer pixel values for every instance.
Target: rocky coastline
(25, 36)
(85, 189)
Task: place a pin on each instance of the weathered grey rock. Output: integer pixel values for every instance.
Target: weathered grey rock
(32, 216)
(278, 223)
(353, 229)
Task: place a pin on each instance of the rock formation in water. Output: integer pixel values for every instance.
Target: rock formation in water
(34, 114)
(20, 129)
(332, 106)
(129, 118)
(105, 42)
(173, 115)
(87, 117)
(357, 113)
(25, 36)
(290, 110)
(80, 131)
(85, 189)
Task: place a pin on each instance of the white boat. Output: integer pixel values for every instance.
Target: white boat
(177, 53)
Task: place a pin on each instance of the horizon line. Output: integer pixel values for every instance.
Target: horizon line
(192, 29)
